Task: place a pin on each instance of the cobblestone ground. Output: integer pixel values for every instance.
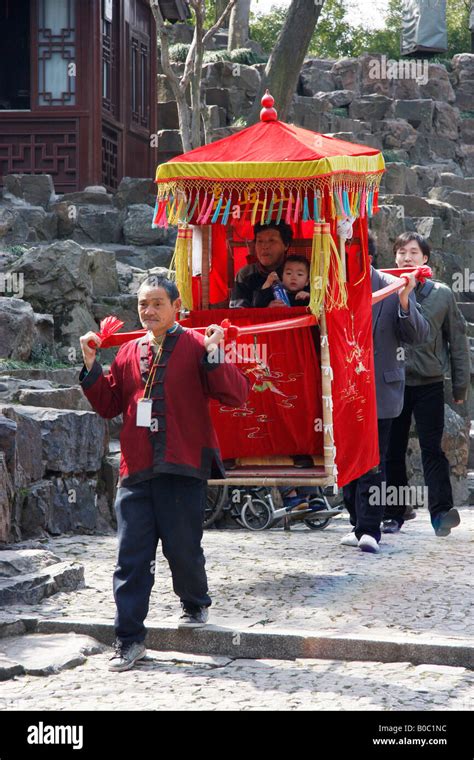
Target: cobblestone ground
(418, 585)
(158, 684)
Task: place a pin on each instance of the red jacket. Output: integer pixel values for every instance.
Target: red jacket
(185, 442)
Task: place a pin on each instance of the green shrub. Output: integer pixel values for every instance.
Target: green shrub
(241, 121)
(343, 111)
(41, 354)
(214, 56)
(39, 360)
(391, 157)
(178, 52)
(245, 56)
(18, 250)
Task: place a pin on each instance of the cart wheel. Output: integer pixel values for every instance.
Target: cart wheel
(215, 500)
(256, 514)
(318, 522)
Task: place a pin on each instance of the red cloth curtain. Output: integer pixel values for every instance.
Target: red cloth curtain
(351, 351)
(279, 416)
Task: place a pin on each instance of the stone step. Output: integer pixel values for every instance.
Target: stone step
(58, 398)
(31, 588)
(414, 205)
(257, 643)
(15, 562)
(464, 184)
(66, 376)
(457, 198)
(39, 654)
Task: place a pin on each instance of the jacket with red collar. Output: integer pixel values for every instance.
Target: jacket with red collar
(182, 440)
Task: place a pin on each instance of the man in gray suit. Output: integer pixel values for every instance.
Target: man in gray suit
(395, 319)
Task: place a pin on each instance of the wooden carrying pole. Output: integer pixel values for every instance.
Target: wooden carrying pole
(206, 232)
(326, 383)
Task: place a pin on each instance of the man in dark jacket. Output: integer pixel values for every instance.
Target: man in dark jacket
(426, 366)
(394, 319)
(161, 383)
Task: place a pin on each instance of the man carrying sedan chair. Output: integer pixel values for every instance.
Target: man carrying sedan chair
(426, 366)
(394, 319)
(161, 383)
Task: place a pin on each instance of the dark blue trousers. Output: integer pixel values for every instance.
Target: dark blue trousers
(170, 508)
(426, 404)
(364, 507)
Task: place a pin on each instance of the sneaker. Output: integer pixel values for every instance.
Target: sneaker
(443, 523)
(350, 539)
(368, 544)
(126, 655)
(196, 618)
(409, 513)
(391, 526)
(295, 502)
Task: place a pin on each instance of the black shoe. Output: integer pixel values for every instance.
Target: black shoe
(443, 522)
(390, 526)
(196, 618)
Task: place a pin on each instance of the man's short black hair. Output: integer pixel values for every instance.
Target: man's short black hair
(407, 237)
(286, 233)
(298, 259)
(161, 281)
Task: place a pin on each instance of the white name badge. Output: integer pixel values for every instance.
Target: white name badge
(144, 407)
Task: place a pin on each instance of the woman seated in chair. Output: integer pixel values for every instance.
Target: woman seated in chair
(271, 246)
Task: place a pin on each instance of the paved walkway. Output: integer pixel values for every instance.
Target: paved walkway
(418, 585)
(206, 683)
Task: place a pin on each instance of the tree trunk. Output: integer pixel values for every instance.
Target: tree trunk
(220, 8)
(239, 25)
(184, 119)
(196, 81)
(284, 65)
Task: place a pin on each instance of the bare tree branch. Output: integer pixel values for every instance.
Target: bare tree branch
(178, 91)
(200, 13)
(206, 122)
(219, 21)
(163, 35)
(189, 123)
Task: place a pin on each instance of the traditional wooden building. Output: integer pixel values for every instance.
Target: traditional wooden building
(77, 90)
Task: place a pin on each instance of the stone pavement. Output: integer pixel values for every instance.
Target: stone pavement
(302, 579)
(210, 683)
(418, 587)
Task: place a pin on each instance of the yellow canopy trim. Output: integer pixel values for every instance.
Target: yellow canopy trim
(176, 170)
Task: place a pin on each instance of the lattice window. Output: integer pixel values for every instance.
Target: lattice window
(110, 157)
(35, 149)
(56, 52)
(109, 63)
(139, 72)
